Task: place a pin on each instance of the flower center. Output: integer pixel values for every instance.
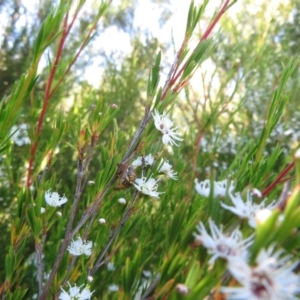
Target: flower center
(226, 250)
(260, 285)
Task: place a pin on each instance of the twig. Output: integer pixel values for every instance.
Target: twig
(204, 37)
(84, 43)
(39, 261)
(151, 288)
(82, 168)
(173, 69)
(48, 93)
(46, 99)
(92, 210)
(114, 234)
(215, 21)
(70, 267)
(281, 203)
(278, 179)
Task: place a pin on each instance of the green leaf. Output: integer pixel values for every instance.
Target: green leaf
(153, 79)
(9, 264)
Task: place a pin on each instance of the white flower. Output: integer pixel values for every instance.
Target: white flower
(85, 294)
(220, 188)
(80, 247)
(166, 168)
(272, 278)
(113, 288)
(147, 187)
(137, 162)
(164, 124)
(223, 246)
(53, 199)
(75, 294)
(248, 209)
(148, 160)
(122, 201)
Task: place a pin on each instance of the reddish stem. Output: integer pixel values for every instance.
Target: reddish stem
(73, 61)
(204, 37)
(48, 92)
(278, 180)
(215, 21)
(46, 100)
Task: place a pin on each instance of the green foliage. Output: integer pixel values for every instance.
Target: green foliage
(236, 129)
(153, 80)
(194, 16)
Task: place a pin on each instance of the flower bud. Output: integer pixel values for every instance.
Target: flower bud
(122, 201)
(102, 221)
(182, 289)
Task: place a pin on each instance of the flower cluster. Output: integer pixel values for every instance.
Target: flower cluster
(272, 276)
(245, 210)
(148, 186)
(75, 293)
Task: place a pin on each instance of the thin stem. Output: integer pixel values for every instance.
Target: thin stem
(151, 288)
(278, 179)
(39, 264)
(82, 167)
(204, 37)
(48, 93)
(70, 266)
(94, 206)
(114, 234)
(46, 100)
(215, 21)
(84, 43)
(39, 246)
(67, 239)
(173, 69)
